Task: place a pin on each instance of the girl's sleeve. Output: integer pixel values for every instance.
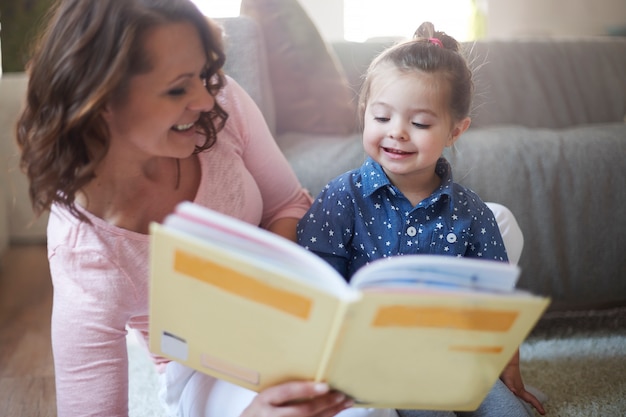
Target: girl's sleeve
(487, 242)
(325, 228)
(281, 191)
(88, 335)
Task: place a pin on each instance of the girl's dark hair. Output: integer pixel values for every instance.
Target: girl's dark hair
(84, 58)
(432, 52)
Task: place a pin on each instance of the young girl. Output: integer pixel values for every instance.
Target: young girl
(414, 103)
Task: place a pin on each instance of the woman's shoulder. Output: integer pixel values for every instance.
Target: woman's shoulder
(80, 251)
(241, 111)
(232, 97)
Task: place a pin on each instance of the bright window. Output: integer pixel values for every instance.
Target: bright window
(219, 8)
(365, 19)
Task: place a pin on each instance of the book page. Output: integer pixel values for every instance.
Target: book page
(437, 271)
(259, 247)
(211, 311)
(432, 350)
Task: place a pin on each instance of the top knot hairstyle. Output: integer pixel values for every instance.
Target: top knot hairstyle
(426, 33)
(429, 51)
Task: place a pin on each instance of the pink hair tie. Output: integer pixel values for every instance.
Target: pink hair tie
(435, 41)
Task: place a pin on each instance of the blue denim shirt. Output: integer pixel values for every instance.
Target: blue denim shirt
(360, 216)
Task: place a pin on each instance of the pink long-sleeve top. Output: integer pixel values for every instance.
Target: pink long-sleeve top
(100, 272)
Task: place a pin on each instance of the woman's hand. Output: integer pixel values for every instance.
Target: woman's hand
(298, 399)
(512, 378)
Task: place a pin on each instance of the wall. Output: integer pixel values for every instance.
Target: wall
(327, 16)
(507, 18)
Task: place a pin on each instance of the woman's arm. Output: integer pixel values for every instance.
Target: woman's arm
(88, 336)
(285, 227)
(282, 194)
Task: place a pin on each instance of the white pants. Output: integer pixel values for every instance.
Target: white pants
(510, 231)
(188, 393)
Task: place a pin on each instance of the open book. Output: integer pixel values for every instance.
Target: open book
(415, 331)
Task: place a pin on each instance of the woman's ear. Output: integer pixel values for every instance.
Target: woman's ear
(458, 129)
(106, 112)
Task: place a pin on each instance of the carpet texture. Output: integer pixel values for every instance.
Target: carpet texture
(577, 359)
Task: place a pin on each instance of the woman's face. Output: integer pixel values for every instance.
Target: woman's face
(157, 115)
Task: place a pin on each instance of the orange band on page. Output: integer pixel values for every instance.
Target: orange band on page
(445, 318)
(235, 282)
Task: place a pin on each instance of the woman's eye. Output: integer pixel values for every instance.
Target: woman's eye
(176, 92)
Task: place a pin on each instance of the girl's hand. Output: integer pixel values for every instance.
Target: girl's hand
(512, 378)
(298, 399)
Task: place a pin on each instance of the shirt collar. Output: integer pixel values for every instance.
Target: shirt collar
(374, 178)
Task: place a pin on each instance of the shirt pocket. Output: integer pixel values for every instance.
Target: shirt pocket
(446, 241)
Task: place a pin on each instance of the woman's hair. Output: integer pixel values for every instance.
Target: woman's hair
(84, 58)
(431, 52)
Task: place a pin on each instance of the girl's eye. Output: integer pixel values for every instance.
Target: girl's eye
(419, 125)
(381, 119)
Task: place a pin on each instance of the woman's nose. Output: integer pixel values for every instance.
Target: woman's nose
(203, 100)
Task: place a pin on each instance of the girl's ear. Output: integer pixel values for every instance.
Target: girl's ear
(458, 129)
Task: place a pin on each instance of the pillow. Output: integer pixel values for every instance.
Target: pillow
(311, 91)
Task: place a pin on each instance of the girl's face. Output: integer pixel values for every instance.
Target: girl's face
(157, 116)
(407, 124)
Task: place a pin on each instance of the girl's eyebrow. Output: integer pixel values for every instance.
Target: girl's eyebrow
(414, 110)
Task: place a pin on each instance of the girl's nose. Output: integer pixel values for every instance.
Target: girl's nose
(397, 132)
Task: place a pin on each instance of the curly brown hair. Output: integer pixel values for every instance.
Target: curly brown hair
(85, 57)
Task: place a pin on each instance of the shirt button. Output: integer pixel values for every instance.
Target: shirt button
(451, 238)
(411, 231)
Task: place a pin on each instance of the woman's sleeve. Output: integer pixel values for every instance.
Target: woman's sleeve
(88, 336)
(281, 191)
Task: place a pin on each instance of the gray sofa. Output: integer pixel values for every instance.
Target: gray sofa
(548, 140)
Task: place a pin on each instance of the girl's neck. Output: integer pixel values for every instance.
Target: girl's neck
(416, 188)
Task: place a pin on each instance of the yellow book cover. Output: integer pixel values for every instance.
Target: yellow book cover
(252, 308)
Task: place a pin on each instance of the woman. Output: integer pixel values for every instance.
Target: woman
(128, 114)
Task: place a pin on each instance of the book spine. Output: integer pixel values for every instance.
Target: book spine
(333, 335)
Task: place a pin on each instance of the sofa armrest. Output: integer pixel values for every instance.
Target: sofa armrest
(20, 220)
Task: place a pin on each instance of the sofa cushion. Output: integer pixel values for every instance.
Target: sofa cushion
(550, 83)
(566, 189)
(316, 159)
(311, 91)
(246, 63)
